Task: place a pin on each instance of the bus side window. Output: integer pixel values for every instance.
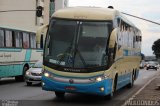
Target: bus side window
(1, 38)
(18, 39)
(33, 40)
(8, 38)
(25, 40)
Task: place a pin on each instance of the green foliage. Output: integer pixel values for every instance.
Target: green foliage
(156, 48)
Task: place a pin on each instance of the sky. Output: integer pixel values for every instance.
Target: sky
(148, 9)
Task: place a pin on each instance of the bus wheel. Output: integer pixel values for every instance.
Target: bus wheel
(59, 94)
(130, 85)
(22, 77)
(29, 83)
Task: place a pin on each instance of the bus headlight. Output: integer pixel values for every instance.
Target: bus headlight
(98, 79)
(46, 74)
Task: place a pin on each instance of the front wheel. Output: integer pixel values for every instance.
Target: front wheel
(29, 83)
(130, 85)
(59, 94)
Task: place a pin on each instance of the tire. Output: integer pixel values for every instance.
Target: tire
(29, 83)
(130, 85)
(21, 78)
(59, 95)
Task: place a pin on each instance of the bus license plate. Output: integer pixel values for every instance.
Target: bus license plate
(70, 88)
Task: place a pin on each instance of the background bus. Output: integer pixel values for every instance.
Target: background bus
(90, 50)
(18, 52)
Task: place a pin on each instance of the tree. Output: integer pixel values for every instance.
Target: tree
(156, 48)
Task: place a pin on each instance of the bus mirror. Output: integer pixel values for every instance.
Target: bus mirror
(41, 31)
(113, 38)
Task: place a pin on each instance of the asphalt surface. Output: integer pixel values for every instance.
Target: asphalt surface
(23, 95)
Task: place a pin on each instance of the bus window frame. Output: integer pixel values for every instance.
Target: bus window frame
(3, 37)
(32, 34)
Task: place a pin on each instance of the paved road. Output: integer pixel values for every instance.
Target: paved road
(33, 95)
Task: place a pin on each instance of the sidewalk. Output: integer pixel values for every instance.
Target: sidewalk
(149, 95)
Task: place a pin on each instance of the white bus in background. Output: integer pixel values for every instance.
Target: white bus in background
(18, 52)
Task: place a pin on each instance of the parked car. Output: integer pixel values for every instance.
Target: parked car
(33, 75)
(151, 65)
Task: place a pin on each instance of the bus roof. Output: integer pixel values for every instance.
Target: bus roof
(87, 13)
(90, 13)
(17, 29)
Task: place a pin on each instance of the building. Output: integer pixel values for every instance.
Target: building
(21, 14)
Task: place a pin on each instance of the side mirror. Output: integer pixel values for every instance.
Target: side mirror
(41, 31)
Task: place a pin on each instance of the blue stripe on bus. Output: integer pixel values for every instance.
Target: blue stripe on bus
(10, 50)
(7, 71)
(125, 52)
(40, 50)
(123, 80)
(28, 55)
(92, 88)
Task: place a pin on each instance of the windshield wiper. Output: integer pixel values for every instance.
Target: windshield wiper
(64, 54)
(81, 57)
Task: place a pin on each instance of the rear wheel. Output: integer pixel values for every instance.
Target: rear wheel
(130, 85)
(29, 83)
(59, 94)
(22, 77)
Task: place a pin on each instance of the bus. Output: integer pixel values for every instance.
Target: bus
(18, 52)
(90, 50)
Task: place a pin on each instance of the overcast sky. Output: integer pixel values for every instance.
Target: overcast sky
(149, 9)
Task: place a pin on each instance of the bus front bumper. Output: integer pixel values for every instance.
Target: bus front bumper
(102, 88)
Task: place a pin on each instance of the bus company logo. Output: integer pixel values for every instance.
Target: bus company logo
(71, 81)
(71, 70)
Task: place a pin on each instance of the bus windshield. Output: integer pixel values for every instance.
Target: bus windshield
(77, 44)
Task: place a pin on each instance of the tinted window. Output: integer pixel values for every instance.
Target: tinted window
(33, 40)
(1, 38)
(25, 40)
(8, 38)
(18, 39)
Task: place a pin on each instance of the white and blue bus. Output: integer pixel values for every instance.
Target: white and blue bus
(18, 51)
(90, 50)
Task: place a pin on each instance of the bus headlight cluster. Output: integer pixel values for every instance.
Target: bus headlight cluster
(99, 78)
(47, 74)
